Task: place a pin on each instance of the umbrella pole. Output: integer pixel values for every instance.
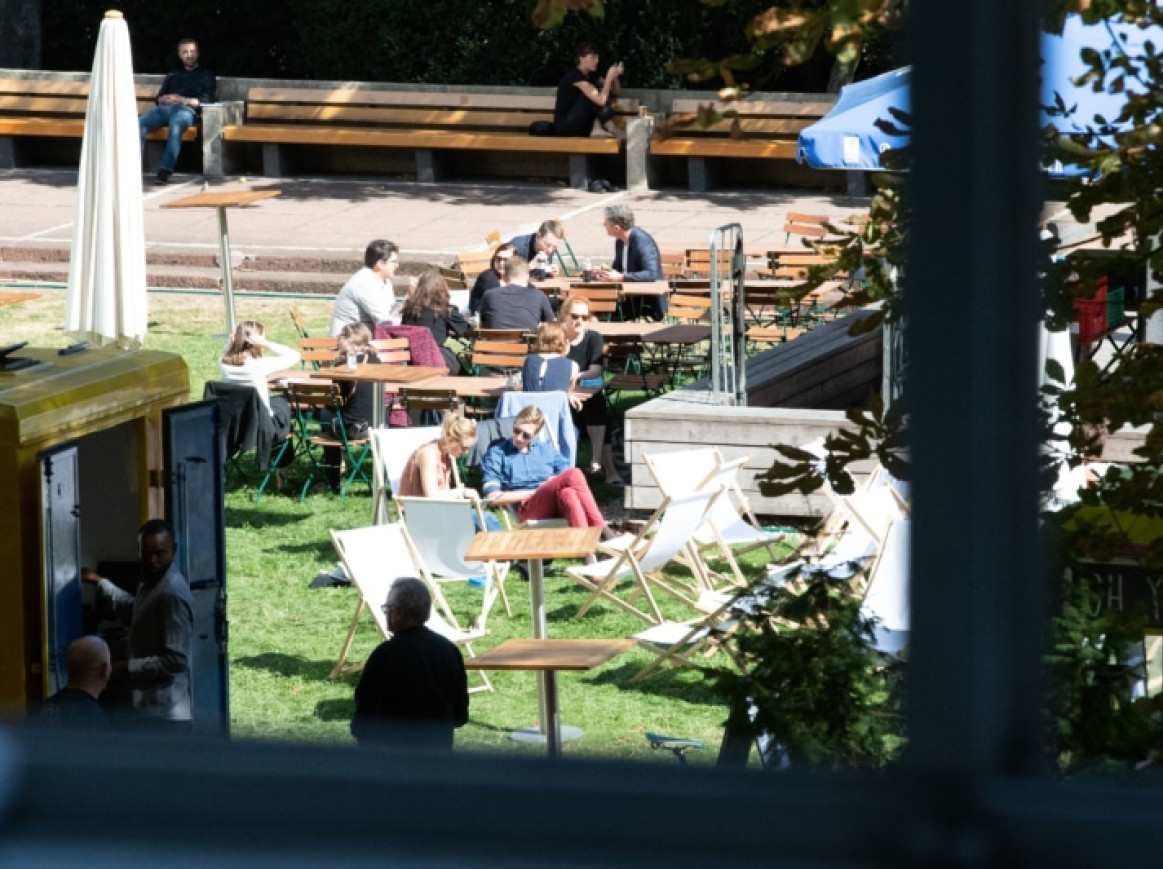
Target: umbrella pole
(227, 271)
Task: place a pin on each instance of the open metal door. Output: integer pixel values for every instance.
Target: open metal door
(61, 541)
(193, 460)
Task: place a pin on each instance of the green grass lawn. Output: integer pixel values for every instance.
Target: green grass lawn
(285, 637)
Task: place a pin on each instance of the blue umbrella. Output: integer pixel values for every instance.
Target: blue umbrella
(848, 136)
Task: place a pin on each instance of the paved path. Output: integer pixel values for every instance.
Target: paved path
(332, 217)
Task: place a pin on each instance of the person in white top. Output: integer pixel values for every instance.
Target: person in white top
(368, 296)
(249, 358)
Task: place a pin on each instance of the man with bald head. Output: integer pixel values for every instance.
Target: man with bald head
(75, 706)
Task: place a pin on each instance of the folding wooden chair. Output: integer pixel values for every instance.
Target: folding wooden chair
(676, 643)
(441, 530)
(604, 299)
(391, 449)
(392, 351)
(299, 321)
(416, 400)
(641, 559)
(317, 352)
(374, 558)
(805, 225)
(730, 527)
(307, 400)
(503, 356)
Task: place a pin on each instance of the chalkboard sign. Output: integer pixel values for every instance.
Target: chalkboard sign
(1126, 586)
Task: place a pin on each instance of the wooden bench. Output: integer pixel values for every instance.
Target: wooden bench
(758, 129)
(433, 125)
(55, 108)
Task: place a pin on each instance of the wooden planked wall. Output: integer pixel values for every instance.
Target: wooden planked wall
(812, 378)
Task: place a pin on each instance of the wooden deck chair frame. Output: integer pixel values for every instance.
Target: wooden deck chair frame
(676, 643)
(725, 531)
(440, 537)
(367, 554)
(391, 449)
(658, 541)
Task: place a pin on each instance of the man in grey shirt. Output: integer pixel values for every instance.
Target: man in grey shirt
(368, 296)
(515, 304)
(161, 629)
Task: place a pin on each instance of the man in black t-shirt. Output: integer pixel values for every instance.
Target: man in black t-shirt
(179, 102)
(75, 706)
(414, 688)
(515, 304)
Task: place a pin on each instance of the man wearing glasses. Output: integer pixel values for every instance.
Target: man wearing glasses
(414, 688)
(368, 296)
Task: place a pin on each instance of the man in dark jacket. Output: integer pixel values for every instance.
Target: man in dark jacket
(545, 241)
(636, 257)
(414, 688)
(179, 102)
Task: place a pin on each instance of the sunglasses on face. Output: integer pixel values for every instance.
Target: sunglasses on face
(524, 433)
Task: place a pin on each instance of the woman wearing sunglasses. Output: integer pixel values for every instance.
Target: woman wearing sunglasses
(587, 349)
(532, 473)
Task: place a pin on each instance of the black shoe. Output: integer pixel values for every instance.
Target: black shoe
(607, 186)
(596, 186)
(522, 570)
(163, 177)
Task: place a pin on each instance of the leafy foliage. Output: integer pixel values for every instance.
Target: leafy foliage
(816, 686)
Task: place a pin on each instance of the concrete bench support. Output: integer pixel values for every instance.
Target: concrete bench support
(432, 166)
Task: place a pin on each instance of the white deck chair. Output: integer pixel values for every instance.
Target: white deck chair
(675, 643)
(441, 530)
(374, 558)
(731, 528)
(391, 449)
(674, 522)
(887, 596)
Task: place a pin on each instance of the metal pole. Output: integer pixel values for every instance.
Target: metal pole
(227, 269)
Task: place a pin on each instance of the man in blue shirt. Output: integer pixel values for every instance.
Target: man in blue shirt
(533, 472)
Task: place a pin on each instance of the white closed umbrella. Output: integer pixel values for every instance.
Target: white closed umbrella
(106, 301)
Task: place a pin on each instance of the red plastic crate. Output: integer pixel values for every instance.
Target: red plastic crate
(1091, 315)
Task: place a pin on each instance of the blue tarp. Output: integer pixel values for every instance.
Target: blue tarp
(848, 138)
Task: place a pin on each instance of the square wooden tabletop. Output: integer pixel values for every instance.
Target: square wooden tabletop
(522, 544)
(222, 199)
(519, 654)
(373, 372)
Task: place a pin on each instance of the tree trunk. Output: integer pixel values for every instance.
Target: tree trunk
(20, 34)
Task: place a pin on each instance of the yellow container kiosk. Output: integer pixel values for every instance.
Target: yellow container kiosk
(92, 444)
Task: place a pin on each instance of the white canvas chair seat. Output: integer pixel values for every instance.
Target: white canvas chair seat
(391, 449)
(887, 597)
(672, 525)
(441, 530)
(730, 527)
(375, 557)
(676, 643)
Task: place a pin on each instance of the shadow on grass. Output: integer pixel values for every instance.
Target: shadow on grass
(287, 665)
(237, 517)
(684, 683)
(335, 709)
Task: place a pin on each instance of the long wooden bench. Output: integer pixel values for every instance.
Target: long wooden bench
(48, 108)
(433, 125)
(755, 129)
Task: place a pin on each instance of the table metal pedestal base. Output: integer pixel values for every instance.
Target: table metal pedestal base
(534, 736)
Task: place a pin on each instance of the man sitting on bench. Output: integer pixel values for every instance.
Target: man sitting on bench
(179, 102)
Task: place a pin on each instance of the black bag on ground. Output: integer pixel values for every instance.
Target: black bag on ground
(542, 128)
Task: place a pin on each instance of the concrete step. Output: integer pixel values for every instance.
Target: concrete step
(192, 277)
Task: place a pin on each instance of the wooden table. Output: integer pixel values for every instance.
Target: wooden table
(547, 657)
(380, 375)
(221, 201)
(533, 545)
(640, 329)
